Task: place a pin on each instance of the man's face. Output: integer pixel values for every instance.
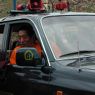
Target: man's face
(23, 37)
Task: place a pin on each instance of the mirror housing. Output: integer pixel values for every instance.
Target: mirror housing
(28, 57)
(47, 69)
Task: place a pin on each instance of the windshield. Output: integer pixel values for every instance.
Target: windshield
(67, 34)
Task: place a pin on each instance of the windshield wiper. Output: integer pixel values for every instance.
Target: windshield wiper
(78, 52)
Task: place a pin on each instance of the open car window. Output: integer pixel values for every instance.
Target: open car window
(15, 42)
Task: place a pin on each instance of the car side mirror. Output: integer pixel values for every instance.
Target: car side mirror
(28, 57)
(47, 69)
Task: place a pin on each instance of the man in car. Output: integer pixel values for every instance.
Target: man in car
(25, 40)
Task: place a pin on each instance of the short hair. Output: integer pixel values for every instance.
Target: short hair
(28, 29)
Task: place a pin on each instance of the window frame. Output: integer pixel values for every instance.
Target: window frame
(32, 25)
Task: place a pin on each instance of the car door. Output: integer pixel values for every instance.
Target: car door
(3, 56)
(22, 80)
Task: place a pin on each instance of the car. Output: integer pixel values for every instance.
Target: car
(68, 63)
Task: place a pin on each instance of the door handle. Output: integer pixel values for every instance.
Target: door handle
(47, 77)
(34, 75)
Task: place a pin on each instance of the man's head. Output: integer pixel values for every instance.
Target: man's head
(25, 35)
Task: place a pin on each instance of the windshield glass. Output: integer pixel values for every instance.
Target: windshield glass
(67, 34)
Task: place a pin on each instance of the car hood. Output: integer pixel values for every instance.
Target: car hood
(76, 78)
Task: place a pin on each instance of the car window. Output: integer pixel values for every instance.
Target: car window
(1, 35)
(15, 39)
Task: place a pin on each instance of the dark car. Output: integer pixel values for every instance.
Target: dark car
(68, 63)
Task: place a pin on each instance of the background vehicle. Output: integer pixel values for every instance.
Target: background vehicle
(68, 64)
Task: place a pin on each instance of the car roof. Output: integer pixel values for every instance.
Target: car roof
(41, 15)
